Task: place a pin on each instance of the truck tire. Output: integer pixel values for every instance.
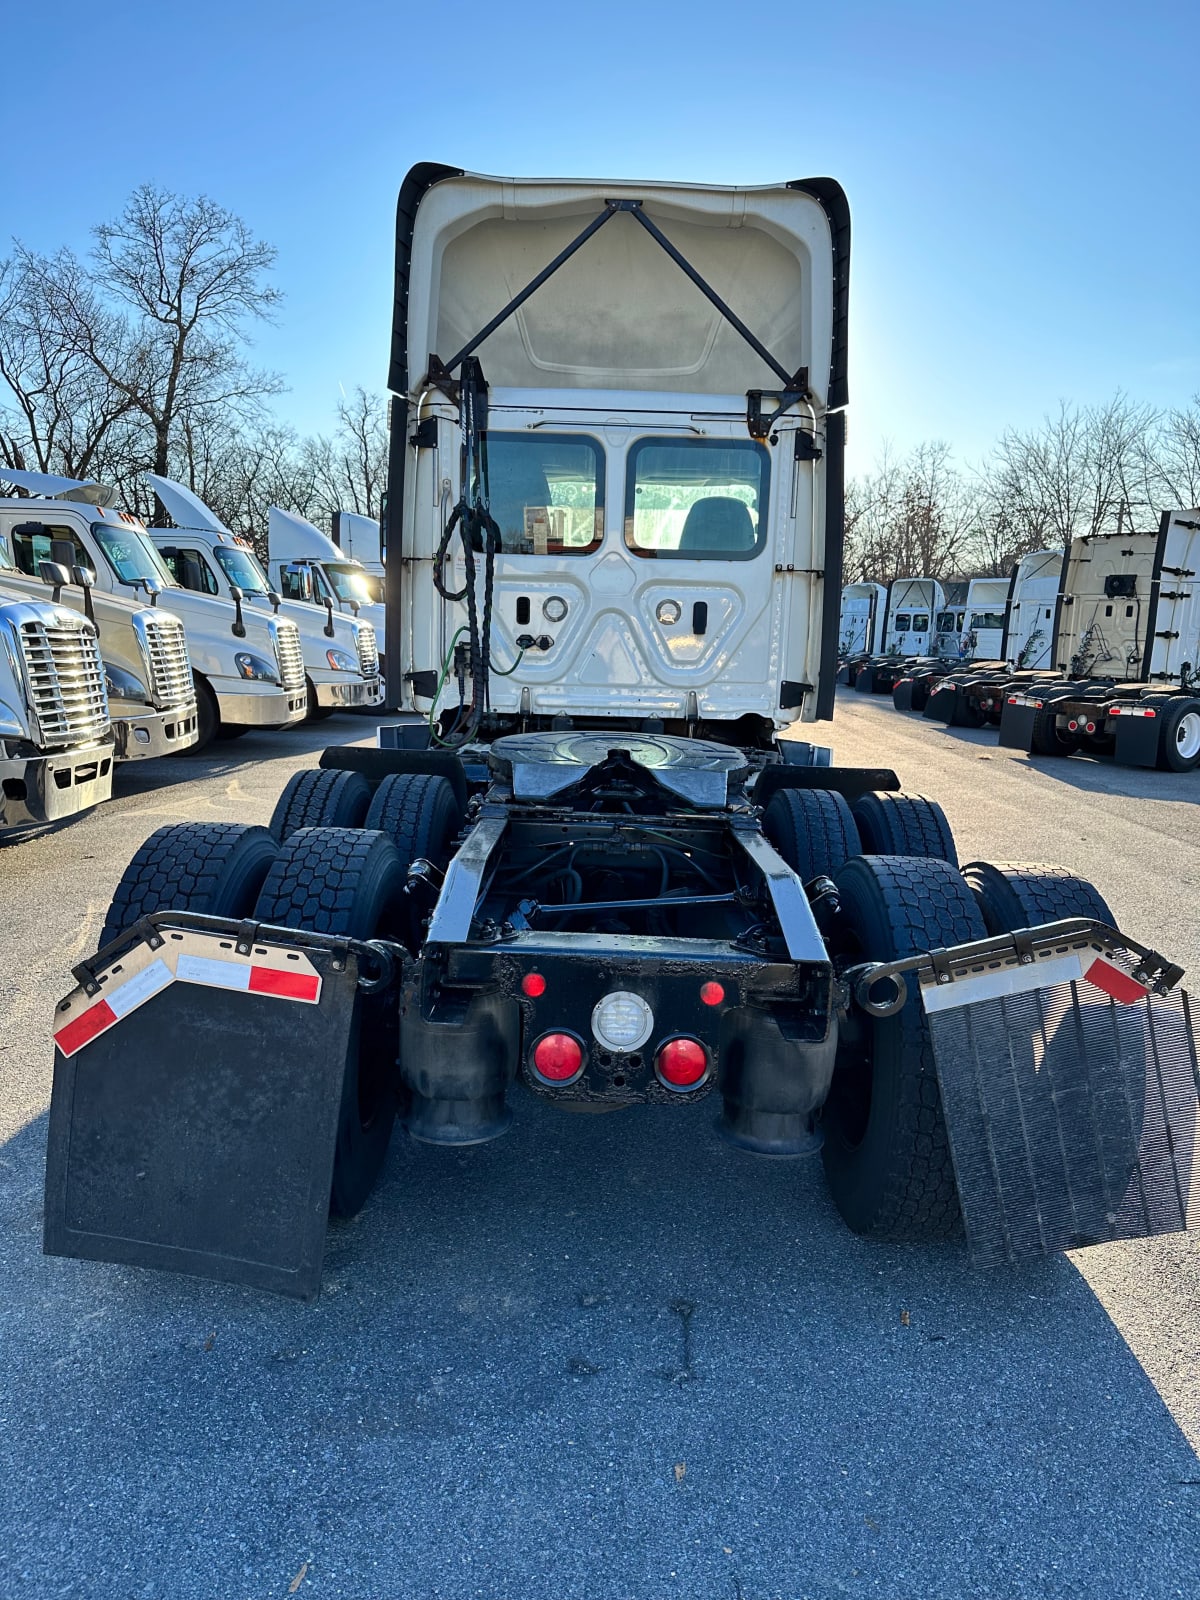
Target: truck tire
(903, 825)
(348, 881)
(316, 711)
(208, 717)
(1179, 736)
(1011, 895)
(886, 1153)
(320, 798)
(213, 867)
(812, 829)
(420, 815)
(1045, 738)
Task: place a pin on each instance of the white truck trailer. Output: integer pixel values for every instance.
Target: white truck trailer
(56, 744)
(248, 671)
(341, 658)
(606, 875)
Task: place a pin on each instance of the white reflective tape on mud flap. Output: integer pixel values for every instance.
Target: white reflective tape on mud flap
(1004, 981)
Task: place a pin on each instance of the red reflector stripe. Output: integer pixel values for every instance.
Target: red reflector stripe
(84, 1028)
(287, 985)
(1114, 982)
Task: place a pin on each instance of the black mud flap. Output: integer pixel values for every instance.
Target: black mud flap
(197, 1081)
(941, 704)
(1137, 739)
(1072, 1107)
(1016, 725)
(902, 694)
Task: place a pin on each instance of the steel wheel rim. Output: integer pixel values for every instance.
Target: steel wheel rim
(1187, 735)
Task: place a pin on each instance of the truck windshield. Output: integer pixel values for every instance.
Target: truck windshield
(241, 568)
(352, 583)
(131, 555)
(696, 499)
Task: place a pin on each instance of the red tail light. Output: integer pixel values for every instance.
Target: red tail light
(557, 1057)
(682, 1063)
(712, 994)
(533, 985)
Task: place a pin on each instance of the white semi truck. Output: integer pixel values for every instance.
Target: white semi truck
(56, 743)
(305, 565)
(147, 672)
(248, 670)
(341, 658)
(860, 626)
(606, 875)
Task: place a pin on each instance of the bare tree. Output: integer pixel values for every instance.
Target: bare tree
(189, 275)
(63, 414)
(348, 470)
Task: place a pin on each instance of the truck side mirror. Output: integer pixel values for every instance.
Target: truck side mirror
(86, 578)
(328, 630)
(56, 575)
(239, 627)
(275, 599)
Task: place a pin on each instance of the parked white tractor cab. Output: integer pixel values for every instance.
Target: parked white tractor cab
(56, 743)
(361, 539)
(147, 671)
(341, 658)
(248, 670)
(306, 566)
(860, 626)
(1035, 588)
(909, 631)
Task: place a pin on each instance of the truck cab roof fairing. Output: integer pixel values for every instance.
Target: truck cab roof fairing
(778, 255)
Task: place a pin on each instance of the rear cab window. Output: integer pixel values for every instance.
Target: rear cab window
(546, 493)
(697, 499)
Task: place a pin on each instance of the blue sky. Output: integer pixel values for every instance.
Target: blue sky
(1023, 178)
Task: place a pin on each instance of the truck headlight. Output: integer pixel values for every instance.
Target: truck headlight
(124, 685)
(255, 667)
(340, 661)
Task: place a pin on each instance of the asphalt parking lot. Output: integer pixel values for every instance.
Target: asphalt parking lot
(604, 1356)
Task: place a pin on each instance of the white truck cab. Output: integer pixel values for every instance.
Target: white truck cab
(986, 619)
(147, 672)
(341, 658)
(248, 670)
(361, 539)
(306, 566)
(56, 744)
(1035, 581)
(913, 605)
(860, 629)
(662, 549)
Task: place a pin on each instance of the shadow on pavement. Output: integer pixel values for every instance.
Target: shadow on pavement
(601, 1357)
(227, 757)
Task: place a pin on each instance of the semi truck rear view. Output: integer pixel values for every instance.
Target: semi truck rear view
(589, 866)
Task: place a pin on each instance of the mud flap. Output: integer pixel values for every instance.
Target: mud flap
(1016, 725)
(194, 1113)
(1072, 1108)
(902, 694)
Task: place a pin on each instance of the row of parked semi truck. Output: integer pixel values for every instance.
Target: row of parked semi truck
(121, 642)
(1092, 651)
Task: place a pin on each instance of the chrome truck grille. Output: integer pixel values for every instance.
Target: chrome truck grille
(66, 680)
(289, 653)
(368, 651)
(165, 644)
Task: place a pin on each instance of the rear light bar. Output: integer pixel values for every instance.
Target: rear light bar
(1132, 711)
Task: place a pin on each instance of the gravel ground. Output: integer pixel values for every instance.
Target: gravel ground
(604, 1356)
